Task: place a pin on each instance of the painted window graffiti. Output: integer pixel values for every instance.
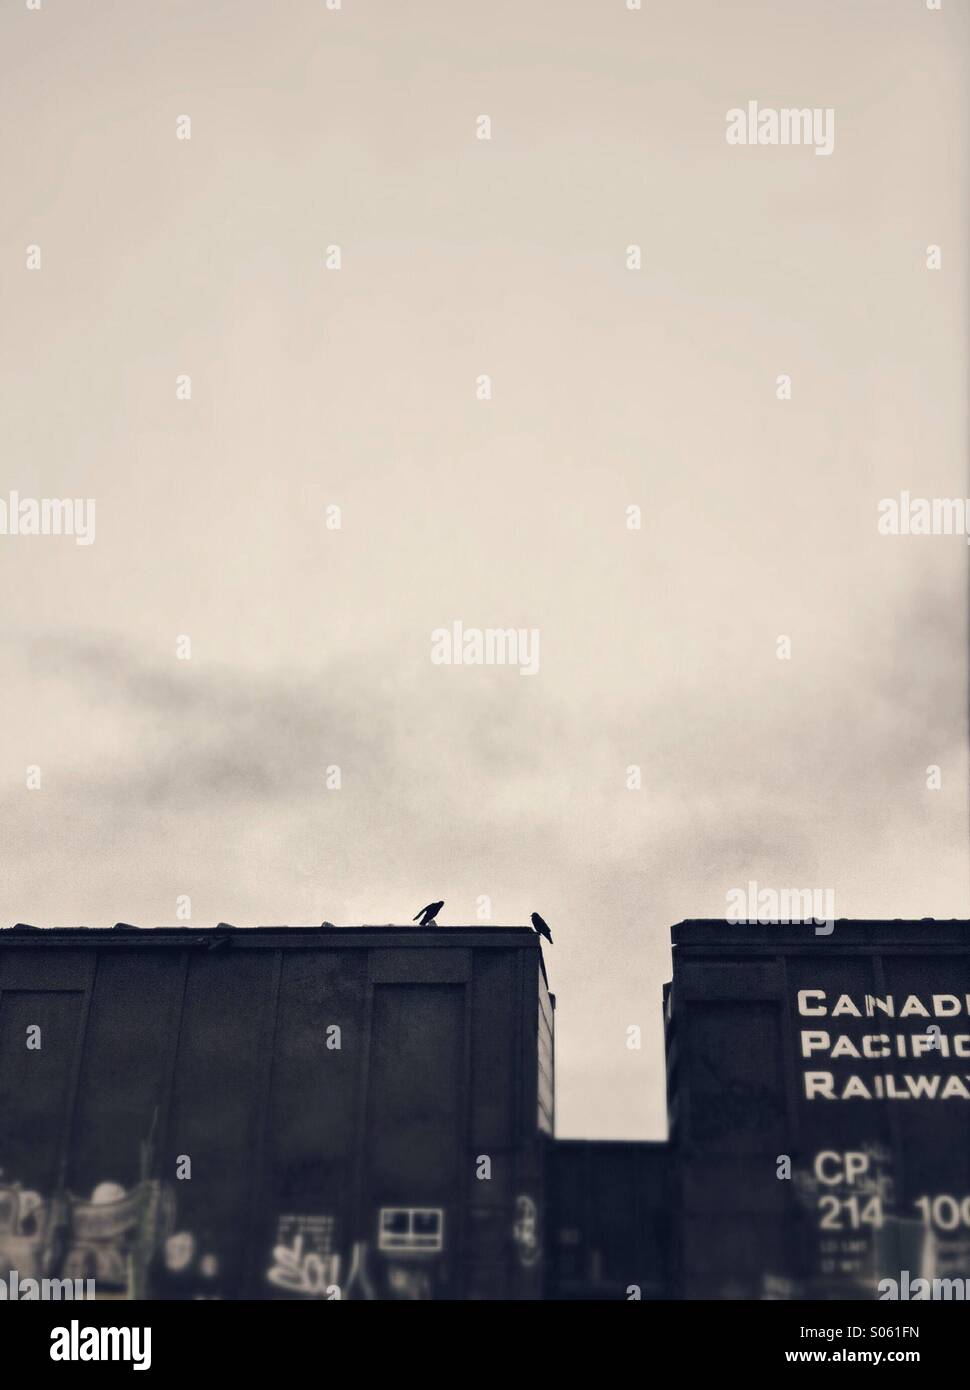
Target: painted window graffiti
(411, 1228)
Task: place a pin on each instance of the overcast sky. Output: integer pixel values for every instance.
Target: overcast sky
(611, 388)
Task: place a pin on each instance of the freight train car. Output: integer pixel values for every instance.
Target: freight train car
(819, 1099)
(275, 1113)
(607, 1220)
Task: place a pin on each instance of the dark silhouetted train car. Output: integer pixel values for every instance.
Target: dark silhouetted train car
(607, 1224)
(276, 1112)
(819, 1100)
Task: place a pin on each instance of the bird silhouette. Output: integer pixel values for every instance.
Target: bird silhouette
(541, 927)
(428, 914)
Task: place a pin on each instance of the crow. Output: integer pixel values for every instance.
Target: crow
(541, 927)
(428, 914)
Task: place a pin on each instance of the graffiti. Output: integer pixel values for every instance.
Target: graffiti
(181, 1272)
(408, 1282)
(179, 1252)
(525, 1231)
(25, 1231)
(303, 1272)
(411, 1228)
(304, 1260)
(114, 1235)
(109, 1237)
(358, 1280)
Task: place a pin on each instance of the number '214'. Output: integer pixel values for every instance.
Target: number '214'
(859, 1211)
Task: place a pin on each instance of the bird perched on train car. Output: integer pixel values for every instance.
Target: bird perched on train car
(541, 927)
(428, 914)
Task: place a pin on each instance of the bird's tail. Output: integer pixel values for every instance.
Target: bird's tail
(417, 915)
